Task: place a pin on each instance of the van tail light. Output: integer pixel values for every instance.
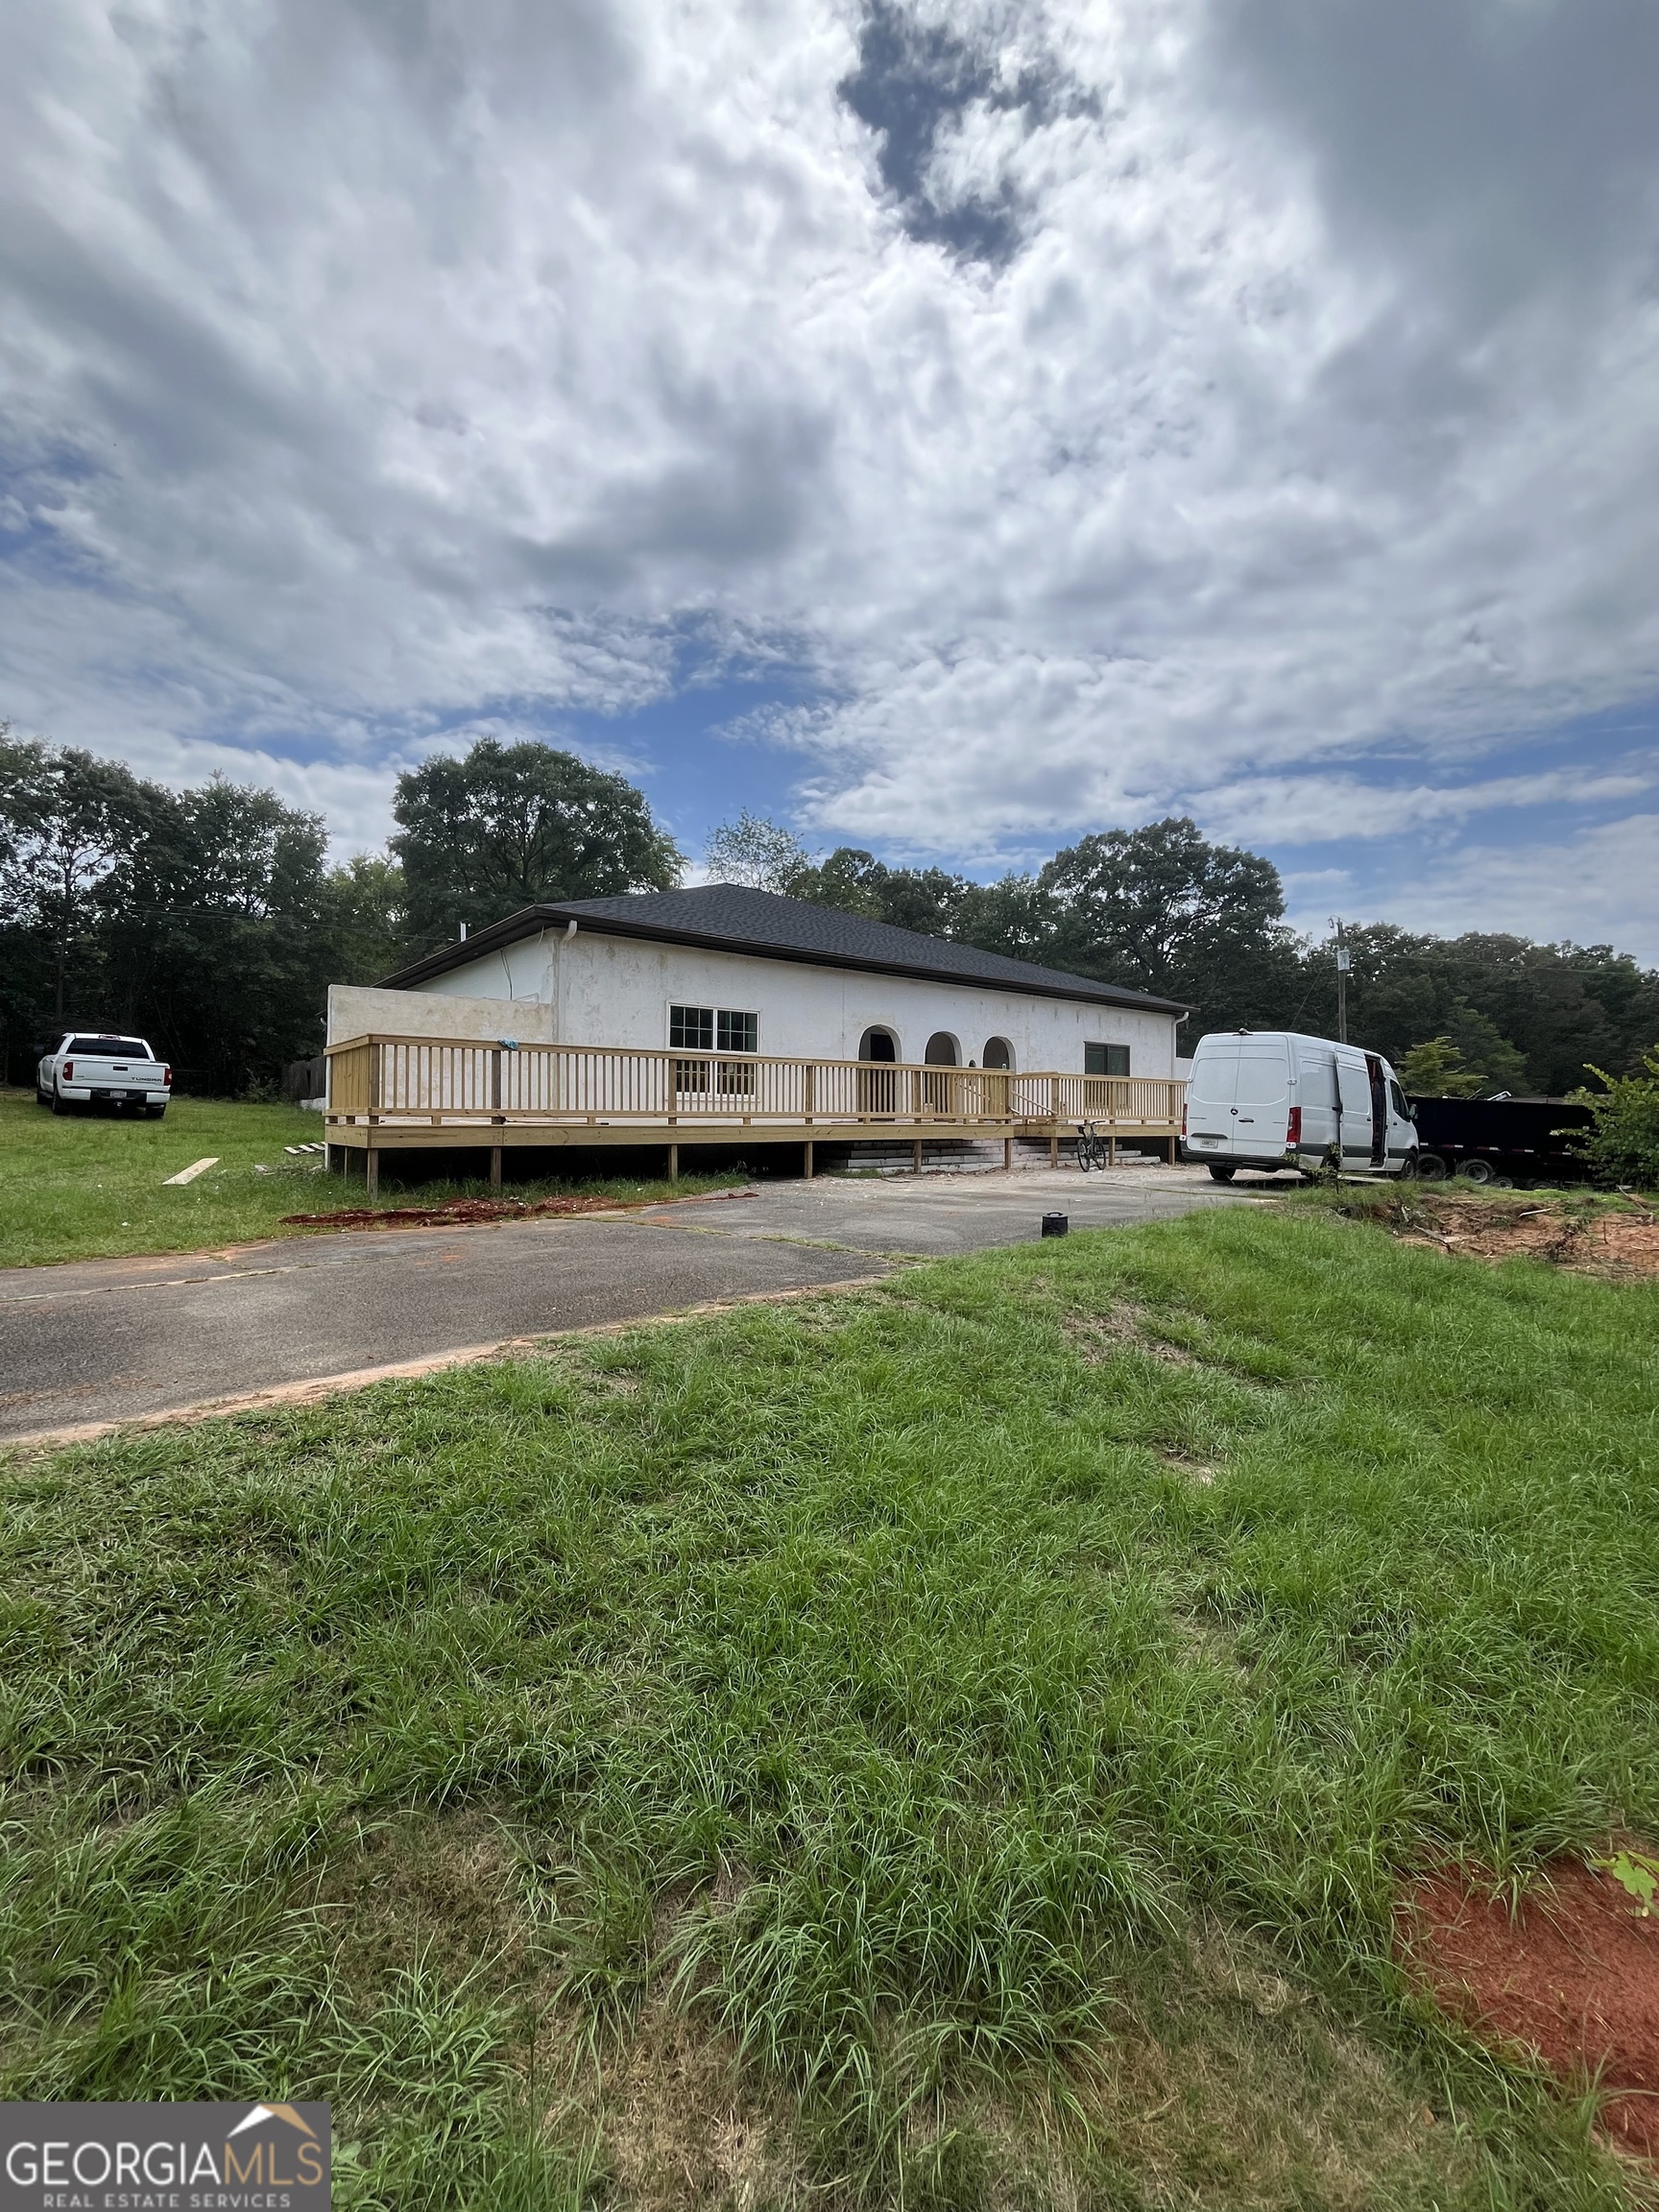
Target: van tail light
(68, 1070)
(1182, 1116)
(1293, 1135)
(166, 1079)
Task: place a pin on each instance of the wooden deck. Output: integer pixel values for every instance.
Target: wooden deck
(401, 1094)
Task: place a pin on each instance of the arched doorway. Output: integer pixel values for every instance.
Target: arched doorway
(942, 1053)
(878, 1085)
(999, 1053)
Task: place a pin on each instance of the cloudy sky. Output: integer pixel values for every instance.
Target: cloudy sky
(949, 430)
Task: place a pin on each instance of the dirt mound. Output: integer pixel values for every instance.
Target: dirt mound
(464, 1213)
(1589, 1239)
(1573, 1975)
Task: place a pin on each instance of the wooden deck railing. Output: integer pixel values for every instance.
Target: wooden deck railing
(445, 1081)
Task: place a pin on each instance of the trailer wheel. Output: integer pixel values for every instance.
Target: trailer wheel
(1501, 1183)
(1478, 1172)
(1431, 1168)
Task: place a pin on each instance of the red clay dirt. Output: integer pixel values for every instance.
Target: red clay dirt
(1575, 1975)
(1619, 1244)
(464, 1213)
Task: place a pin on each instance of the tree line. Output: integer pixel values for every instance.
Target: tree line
(210, 919)
(1165, 911)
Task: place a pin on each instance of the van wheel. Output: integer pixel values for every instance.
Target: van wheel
(1222, 1170)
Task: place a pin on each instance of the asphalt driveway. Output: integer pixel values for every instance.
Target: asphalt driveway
(99, 1341)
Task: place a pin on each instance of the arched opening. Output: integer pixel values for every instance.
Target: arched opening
(936, 1090)
(879, 1086)
(999, 1053)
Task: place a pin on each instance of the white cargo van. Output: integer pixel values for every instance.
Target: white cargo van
(1270, 1098)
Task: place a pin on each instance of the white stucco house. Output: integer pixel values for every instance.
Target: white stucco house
(723, 968)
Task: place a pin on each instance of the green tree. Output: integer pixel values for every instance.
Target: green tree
(510, 826)
(67, 823)
(195, 918)
(1014, 916)
(216, 934)
(1534, 1016)
(931, 901)
(762, 854)
(1623, 1141)
(362, 928)
(1435, 1070)
(1161, 909)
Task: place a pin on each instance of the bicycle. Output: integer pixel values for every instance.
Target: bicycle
(1092, 1150)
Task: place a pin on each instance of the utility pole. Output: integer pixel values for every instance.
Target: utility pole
(1342, 966)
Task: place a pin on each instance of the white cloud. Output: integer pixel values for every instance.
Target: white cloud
(367, 369)
(1600, 886)
(1308, 810)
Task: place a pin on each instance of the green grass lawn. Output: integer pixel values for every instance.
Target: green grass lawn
(82, 1186)
(953, 1744)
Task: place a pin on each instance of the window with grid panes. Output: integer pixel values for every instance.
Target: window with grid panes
(736, 1032)
(692, 1029)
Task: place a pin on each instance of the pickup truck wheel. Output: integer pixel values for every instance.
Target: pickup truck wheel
(60, 1104)
(154, 1113)
(1222, 1170)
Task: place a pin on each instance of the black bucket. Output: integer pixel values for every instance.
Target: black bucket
(1055, 1224)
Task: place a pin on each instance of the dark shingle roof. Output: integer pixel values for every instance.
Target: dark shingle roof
(730, 918)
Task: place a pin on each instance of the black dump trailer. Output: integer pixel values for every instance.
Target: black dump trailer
(1499, 1140)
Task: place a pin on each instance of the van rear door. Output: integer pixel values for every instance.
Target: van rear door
(1261, 1104)
(1211, 1090)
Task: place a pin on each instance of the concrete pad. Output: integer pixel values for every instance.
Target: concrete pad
(932, 1214)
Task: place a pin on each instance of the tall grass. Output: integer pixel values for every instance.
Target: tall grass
(919, 1690)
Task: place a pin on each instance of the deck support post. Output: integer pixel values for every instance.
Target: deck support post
(806, 1159)
(915, 1157)
(495, 1166)
(372, 1170)
(673, 1163)
(1054, 1148)
(1172, 1160)
(1112, 1149)
(1007, 1155)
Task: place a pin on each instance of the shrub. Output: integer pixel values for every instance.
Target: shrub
(1622, 1144)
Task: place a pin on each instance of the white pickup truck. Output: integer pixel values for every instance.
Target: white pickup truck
(90, 1069)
